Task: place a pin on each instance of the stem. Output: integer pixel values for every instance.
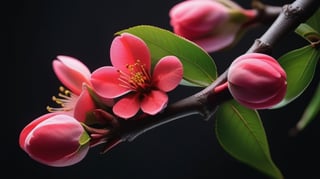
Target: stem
(203, 103)
(289, 19)
(266, 13)
(206, 101)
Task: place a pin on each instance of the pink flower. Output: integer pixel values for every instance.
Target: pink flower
(72, 73)
(257, 80)
(130, 77)
(213, 25)
(76, 101)
(54, 140)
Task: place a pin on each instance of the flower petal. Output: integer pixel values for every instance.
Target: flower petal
(105, 82)
(216, 43)
(74, 64)
(268, 103)
(127, 107)
(84, 105)
(167, 73)
(71, 72)
(73, 158)
(126, 49)
(24, 133)
(154, 102)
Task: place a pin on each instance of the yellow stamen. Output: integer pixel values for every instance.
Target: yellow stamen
(65, 99)
(137, 78)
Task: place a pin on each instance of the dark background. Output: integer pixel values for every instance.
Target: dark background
(42, 29)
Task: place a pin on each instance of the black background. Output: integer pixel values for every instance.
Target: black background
(40, 30)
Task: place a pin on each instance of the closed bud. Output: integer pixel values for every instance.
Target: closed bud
(257, 81)
(56, 140)
(212, 24)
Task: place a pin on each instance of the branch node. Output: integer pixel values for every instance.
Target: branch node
(203, 109)
(291, 11)
(261, 47)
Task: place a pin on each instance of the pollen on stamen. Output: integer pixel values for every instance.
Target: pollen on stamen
(66, 100)
(136, 78)
(125, 80)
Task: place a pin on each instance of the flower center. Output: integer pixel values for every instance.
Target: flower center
(66, 100)
(136, 78)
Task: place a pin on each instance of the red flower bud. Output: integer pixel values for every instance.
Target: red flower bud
(54, 140)
(257, 81)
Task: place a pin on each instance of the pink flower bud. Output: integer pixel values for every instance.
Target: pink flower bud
(54, 140)
(257, 81)
(211, 24)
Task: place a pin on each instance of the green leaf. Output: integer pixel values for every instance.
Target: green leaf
(300, 65)
(199, 68)
(311, 111)
(240, 132)
(186, 83)
(314, 22)
(308, 33)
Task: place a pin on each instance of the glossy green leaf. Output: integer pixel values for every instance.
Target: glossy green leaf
(300, 65)
(308, 33)
(199, 68)
(241, 133)
(314, 21)
(311, 111)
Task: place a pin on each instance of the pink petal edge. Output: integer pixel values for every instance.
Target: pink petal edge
(126, 49)
(167, 73)
(70, 77)
(127, 107)
(154, 102)
(105, 82)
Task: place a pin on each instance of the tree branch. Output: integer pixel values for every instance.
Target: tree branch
(289, 19)
(206, 101)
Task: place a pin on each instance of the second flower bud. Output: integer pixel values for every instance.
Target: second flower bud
(257, 81)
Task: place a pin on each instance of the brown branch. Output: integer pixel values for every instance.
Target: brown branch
(289, 19)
